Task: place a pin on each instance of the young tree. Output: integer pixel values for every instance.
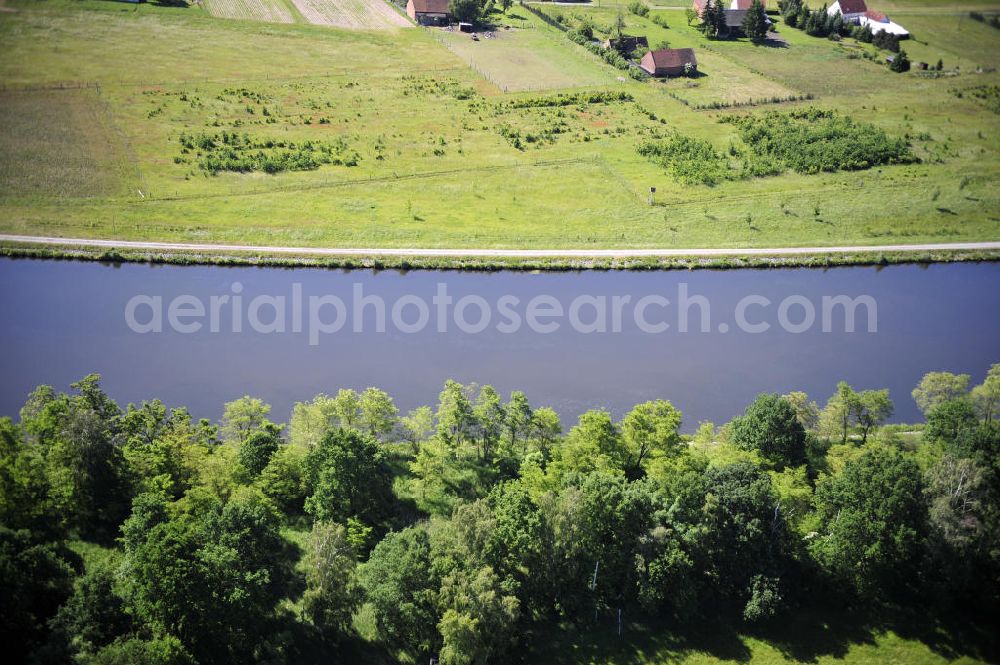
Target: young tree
(517, 424)
(593, 443)
(489, 416)
(755, 23)
(619, 26)
(347, 407)
(418, 424)
(650, 427)
(771, 427)
(243, 417)
(901, 62)
(806, 411)
(936, 388)
(870, 409)
(835, 419)
(312, 420)
(455, 416)
(986, 396)
(377, 412)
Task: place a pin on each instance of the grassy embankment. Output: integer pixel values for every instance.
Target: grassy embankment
(443, 157)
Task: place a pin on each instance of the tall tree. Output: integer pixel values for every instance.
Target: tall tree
(347, 476)
(332, 593)
(755, 23)
(873, 522)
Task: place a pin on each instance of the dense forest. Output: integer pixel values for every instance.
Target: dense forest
(141, 535)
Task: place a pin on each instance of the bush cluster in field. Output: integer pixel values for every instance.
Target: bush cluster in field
(229, 151)
(986, 95)
(806, 141)
(814, 140)
(582, 116)
(427, 85)
(690, 161)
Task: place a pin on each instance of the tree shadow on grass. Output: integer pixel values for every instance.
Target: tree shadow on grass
(640, 643)
(804, 635)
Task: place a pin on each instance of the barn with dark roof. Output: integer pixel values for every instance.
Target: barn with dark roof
(428, 12)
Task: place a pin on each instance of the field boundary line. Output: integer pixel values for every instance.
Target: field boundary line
(379, 179)
(505, 253)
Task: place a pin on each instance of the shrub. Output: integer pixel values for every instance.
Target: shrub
(638, 8)
(689, 160)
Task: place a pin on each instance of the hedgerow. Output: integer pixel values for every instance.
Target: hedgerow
(814, 140)
(610, 56)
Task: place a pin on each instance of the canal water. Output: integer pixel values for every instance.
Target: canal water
(709, 341)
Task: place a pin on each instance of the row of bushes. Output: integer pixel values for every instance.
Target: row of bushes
(568, 99)
(717, 106)
(610, 56)
(993, 20)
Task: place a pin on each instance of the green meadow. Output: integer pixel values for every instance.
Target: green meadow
(116, 117)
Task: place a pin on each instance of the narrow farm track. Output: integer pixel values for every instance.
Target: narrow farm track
(499, 253)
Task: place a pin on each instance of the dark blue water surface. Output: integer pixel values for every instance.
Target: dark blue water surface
(63, 320)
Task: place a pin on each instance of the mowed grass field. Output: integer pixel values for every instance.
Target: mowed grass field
(431, 151)
(527, 56)
(353, 14)
(273, 11)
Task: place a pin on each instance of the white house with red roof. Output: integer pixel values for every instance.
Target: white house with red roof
(857, 12)
(851, 10)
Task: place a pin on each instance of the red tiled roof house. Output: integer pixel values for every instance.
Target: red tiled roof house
(669, 62)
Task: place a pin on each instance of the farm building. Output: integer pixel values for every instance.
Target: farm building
(879, 22)
(669, 62)
(428, 12)
(857, 12)
(626, 43)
